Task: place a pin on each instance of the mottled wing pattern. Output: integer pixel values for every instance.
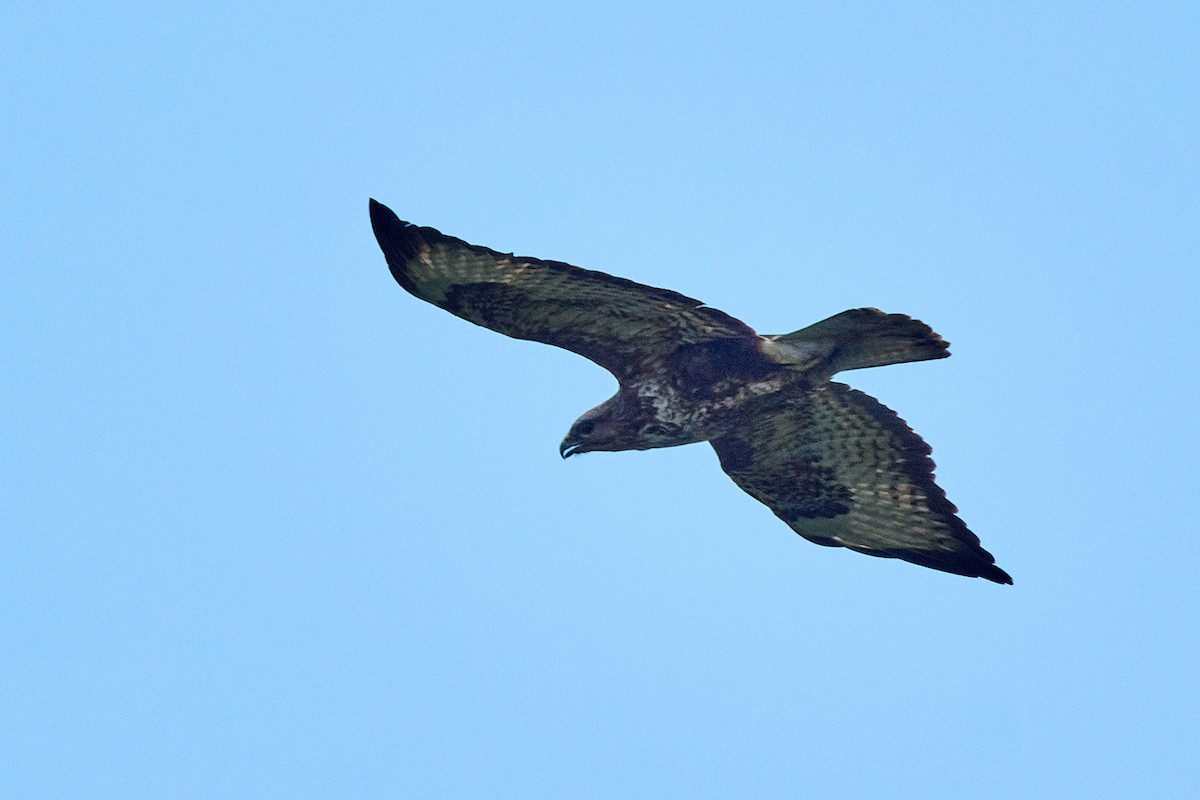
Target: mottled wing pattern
(844, 470)
(616, 323)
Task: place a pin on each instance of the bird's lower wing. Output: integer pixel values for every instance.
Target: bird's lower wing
(843, 470)
(619, 324)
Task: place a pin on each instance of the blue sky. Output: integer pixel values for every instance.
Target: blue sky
(271, 527)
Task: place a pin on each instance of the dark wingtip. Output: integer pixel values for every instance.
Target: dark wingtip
(997, 575)
(379, 213)
(383, 220)
(397, 239)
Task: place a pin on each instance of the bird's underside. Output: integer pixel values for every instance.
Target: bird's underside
(837, 466)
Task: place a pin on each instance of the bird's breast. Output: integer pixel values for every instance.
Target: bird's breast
(672, 415)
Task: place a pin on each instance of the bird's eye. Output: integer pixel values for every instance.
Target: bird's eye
(585, 428)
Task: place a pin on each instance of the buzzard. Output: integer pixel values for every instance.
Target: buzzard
(840, 468)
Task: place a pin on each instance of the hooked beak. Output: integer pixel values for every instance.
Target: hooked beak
(569, 448)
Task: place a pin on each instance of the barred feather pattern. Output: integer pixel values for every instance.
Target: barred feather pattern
(843, 470)
(621, 325)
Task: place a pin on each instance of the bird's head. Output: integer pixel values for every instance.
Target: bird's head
(599, 429)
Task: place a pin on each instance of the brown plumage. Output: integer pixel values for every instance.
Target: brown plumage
(833, 463)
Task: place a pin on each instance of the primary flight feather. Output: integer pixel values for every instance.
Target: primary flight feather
(836, 465)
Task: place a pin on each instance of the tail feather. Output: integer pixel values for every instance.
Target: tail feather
(858, 338)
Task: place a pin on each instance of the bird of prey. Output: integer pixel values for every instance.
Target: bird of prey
(840, 468)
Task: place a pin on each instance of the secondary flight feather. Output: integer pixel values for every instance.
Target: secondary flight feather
(840, 468)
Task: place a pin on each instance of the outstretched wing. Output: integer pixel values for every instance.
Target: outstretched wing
(843, 470)
(615, 322)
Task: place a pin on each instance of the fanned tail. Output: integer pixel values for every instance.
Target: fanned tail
(858, 338)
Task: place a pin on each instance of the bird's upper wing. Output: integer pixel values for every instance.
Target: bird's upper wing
(616, 323)
(843, 470)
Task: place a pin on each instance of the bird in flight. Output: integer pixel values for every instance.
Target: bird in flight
(839, 467)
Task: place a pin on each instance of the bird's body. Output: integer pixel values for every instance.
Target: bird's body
(699, 394)
(839, 467)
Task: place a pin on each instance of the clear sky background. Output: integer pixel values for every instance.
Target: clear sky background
(271, 527)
